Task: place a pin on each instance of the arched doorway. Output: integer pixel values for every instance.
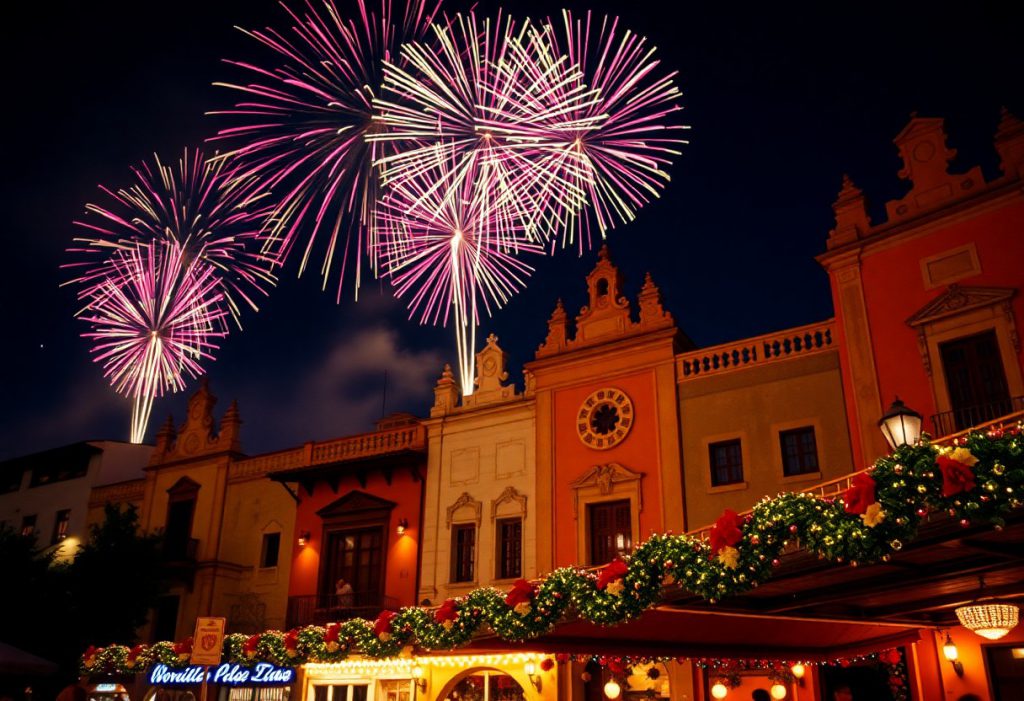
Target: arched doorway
(485, 685)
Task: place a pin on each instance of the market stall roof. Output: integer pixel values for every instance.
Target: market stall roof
(673, 632)
(18, 662)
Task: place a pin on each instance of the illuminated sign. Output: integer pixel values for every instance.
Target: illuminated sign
(228, 674)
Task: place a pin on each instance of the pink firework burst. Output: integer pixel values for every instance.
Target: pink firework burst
(618, 147)
(195, 204)
(304, 124)
(155, 312)
(492, 91)
(450, 240)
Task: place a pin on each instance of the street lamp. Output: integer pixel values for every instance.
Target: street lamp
(901, 425)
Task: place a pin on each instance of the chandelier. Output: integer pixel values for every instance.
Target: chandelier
(990, 620)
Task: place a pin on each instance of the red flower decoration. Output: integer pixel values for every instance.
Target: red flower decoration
(520, 593)
(332, 633)
(616, 569)
(891, 657)
(184, 647)
(861, 494)
(547, 664)
(446, 612)
(382, 625)
(291, 639)
(616, 667)
(726, 531)
(91, 651)
(250, 644)
(956, 476)
(563, 657)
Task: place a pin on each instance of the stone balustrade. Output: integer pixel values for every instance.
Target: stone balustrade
(759, 350)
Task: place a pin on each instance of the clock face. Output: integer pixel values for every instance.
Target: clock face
(604, 418)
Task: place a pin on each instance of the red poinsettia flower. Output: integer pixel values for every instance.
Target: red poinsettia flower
(861, 493)
(332, 633)
(616, 569)
(251, 644)
(382, 626)
(184, 647)
(616, 667)
(291, 639)
(547, 664)
(446, 612)
(522, 592)
(957, 476)
(726, 531)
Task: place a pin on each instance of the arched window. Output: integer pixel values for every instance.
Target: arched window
(486, 685)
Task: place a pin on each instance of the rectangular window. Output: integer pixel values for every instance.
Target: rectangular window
(340, 692)
(60, 526)
(463, 552)
(510, 548)
(28, 525)
(611, 530)
(726, 462)
(799, 451)
(270, 550)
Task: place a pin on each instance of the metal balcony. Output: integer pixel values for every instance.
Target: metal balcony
(321, 609)
(965, 417)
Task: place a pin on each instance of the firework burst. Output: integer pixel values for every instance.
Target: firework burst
(450, 242)
(155, 314)
(304, 125)
(195, 204)
(617, 147)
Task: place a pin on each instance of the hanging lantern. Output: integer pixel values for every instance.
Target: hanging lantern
(719, 690)
(612, 689)
(991, 621)
(901, 425)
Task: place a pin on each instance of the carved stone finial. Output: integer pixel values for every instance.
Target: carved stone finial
(926, 157)
(491, 363)
(1009, 144)
(851, 214)
(164, 440)
(230, 429)
(558, 332)
(608, 311)
(446, 393)
(652, 313)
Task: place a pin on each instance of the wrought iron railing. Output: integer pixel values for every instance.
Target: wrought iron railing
(321, 609)
(964, 418)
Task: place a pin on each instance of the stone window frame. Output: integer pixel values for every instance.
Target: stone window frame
(603, 483)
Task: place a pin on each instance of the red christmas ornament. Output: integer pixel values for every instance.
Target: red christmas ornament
(547, 664)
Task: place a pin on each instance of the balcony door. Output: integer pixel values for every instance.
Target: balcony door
(357, 556)
(611, 530)
(976, 379)
(355, 541)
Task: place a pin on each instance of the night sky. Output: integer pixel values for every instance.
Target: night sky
(782, 100)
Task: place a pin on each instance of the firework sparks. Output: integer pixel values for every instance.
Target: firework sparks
(195, 204)
(305, 123)
(450, 240)
(155, 313)
(617, 148)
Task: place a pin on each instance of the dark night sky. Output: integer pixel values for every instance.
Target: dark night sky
(782, 100)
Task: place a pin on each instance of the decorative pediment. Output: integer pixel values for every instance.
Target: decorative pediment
(958, 300)
(512, 496)
(608, 479)
(184, 488)
(355, 502)
(465, 502)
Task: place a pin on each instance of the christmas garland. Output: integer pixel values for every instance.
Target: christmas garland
(979, 479)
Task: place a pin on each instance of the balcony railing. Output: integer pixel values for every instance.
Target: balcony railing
(321, 609)
(759, 350)
(960, 419)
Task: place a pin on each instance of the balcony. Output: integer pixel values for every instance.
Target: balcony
(178, 556)
(322, 609)
(960, 419)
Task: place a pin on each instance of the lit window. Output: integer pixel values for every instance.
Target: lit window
(60, 526)
(28, 525)
(611, 530)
